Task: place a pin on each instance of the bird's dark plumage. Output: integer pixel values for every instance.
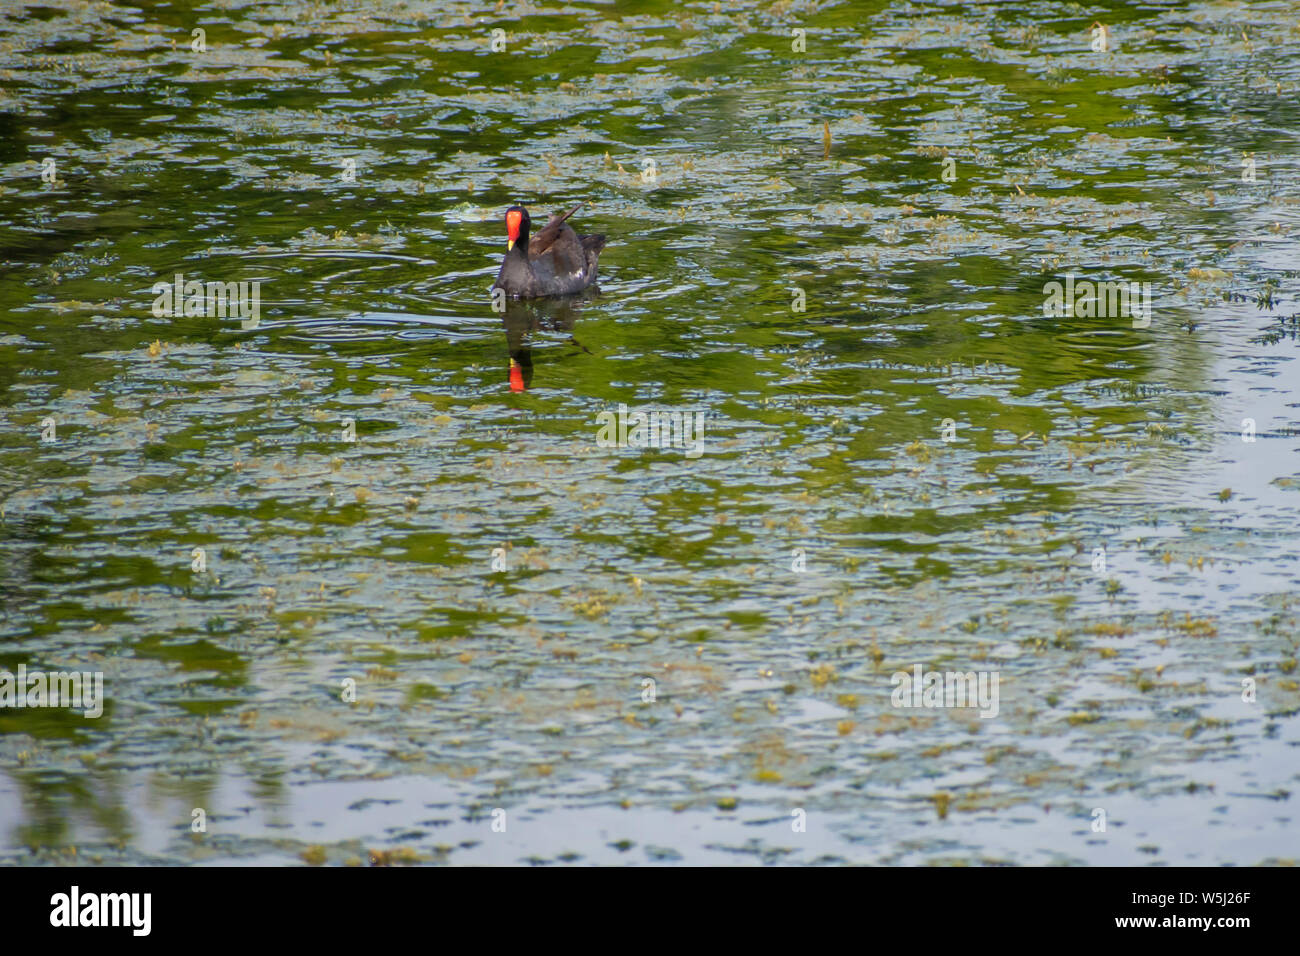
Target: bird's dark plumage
(556, 261)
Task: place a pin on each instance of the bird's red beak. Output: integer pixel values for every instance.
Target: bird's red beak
(513, 220)
(516, 377)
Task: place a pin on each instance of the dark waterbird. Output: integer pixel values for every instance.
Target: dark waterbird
(556, 261)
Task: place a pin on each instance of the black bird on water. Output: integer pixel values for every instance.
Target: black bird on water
(556, 261)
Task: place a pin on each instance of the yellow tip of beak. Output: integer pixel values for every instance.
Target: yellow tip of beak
(510, 244)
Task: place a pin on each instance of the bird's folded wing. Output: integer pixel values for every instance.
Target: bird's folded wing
(545, 237)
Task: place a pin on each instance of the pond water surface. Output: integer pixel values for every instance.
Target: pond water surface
(905, 460)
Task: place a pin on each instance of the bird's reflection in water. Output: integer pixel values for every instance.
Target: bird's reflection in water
(523, 319)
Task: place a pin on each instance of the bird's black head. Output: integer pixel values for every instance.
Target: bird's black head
(517, 226)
